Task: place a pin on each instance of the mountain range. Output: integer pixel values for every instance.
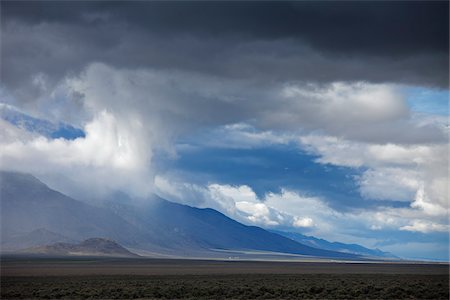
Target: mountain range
(334, 246)
(34, 215)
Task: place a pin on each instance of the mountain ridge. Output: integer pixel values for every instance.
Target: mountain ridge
(334, 246)
(158, 226)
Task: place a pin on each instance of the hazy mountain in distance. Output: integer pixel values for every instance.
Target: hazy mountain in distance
(36, 237)
(158, 226)
(334, 246)
(89, 247)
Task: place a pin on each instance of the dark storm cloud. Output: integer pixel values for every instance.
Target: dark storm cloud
(348, 27)
(379, 28)
(401, 42)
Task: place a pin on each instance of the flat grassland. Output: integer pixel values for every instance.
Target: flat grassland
(180, 279)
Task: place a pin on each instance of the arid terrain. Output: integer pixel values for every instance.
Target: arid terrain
(33, 277)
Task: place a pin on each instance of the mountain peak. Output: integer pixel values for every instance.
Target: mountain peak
(12, 177)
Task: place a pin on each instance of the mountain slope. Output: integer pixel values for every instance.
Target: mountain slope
(27, 205)
(186, 227)
(157, 225)
(334, 246)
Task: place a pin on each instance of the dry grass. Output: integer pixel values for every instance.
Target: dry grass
(243, 286)
(100, 278)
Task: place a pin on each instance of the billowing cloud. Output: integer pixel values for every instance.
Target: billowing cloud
(425, 227)
(112, 156)
(303, 222)
(395, 171)
(239, 202)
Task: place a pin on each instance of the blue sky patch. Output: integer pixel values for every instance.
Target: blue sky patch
(425, 100)
(40, 126)
(270, 168)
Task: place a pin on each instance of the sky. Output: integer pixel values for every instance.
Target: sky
(324, 118)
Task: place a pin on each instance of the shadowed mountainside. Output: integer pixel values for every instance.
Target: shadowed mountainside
(194, 228)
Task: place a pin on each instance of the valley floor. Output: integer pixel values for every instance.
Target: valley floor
(163, 278)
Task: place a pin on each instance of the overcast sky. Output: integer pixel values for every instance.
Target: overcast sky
(325, 118)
